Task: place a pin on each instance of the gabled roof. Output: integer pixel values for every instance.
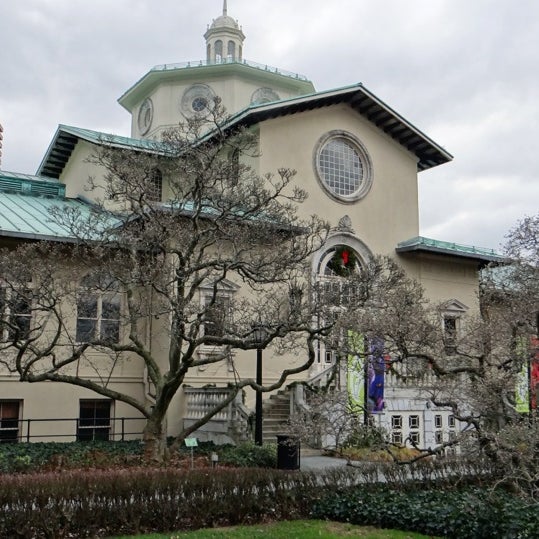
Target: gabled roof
(428, 153)
(372, 108)
(421, 244)
(66, 137)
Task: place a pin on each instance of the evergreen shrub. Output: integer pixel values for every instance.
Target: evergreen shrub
(463, 513)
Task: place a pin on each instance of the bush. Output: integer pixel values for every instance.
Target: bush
(27, 457)
(248, 455)
(461, 513)
(104, 503)
(47, 456)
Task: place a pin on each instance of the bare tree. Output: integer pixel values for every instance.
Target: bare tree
(475, 372)
(223, 253)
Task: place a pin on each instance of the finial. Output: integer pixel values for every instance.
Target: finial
(224, 8)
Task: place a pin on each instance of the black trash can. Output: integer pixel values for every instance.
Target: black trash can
(288, 452)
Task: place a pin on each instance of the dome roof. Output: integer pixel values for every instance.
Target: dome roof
(224, 21)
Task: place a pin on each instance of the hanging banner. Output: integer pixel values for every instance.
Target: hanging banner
(366, 375)
(522, 393)
(534, 373)
(376, 375)
(522, 390)
(356, 371)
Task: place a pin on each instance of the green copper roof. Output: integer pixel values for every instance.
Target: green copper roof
(202, 69)
(66, 138)
(14, 182)
(27, 204)
(422, 244)
(29, 217)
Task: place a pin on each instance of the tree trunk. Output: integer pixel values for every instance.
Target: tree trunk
(155, 445)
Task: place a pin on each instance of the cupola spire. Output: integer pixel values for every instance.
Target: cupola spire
(224, 39)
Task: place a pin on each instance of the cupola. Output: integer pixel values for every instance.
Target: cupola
(224, 39)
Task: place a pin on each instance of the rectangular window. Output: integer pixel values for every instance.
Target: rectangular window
(450, 334)
(9, 421)
(94, 420)
(396, 422)
(438, 424)
(98, 317)
(15, 313)
(396, 437)
(154, 186)
(414, 438)
(438, 437)
(217, 316)
(451, 421)
(413, 421)
(330, 355)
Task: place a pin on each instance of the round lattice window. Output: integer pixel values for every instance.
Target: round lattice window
(197, 100)
(145, 116)
(343, 166)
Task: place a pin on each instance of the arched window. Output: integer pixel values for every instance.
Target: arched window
(231, 51)
(338, 273)
(218, 50)
(338, 282)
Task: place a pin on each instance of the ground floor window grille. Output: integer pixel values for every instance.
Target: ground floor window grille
(444, 429)
(94, 420)
(396, 429)
(9, 421)
(406, 429)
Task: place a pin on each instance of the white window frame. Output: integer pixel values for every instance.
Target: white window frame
(100, 297)
(452, 312)
(6, 314)
(225, 290)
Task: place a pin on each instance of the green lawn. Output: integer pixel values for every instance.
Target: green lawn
(300, 529)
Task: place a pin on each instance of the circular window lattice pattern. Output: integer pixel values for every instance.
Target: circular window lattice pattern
(197, 100)
(343, 166)
(264, 95)
(145, 116)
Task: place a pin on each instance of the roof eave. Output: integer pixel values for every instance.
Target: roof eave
(36, 237)
(426, 249)
(428, 152)
(144, 86)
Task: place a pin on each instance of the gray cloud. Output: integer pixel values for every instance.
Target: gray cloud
(463, 72)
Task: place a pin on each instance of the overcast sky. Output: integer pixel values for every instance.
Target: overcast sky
(465, 72)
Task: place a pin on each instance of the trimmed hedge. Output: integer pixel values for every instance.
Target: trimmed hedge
(46, 456)
(464, 513)
(104, 503)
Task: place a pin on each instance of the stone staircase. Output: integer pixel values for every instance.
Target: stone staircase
(276, 415)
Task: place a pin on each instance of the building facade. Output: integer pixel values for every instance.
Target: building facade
(356, 157)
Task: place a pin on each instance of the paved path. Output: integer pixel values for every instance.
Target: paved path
(319, 463)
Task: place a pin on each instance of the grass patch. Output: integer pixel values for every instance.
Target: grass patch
(300, 529)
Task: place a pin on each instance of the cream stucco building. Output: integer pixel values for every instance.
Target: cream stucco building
(356, 157)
